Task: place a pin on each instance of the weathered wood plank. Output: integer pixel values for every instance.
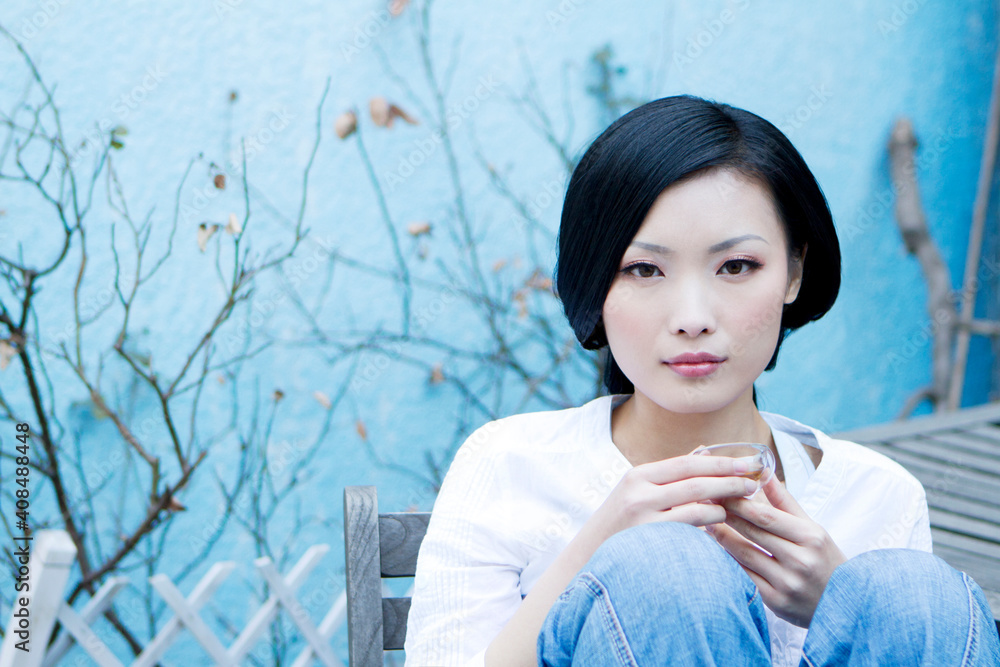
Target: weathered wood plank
(395, 611)
(957, 481)
(972, 545)
(986, 571)
(963, 506)
(949, 453)
(923, 425)
(988, 432)
(968, 441)
(401, 534)
(364, 585)
(988, 531)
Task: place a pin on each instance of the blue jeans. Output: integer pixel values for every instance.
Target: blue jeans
(667, 593)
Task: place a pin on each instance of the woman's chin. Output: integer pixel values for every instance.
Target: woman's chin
(695, 398)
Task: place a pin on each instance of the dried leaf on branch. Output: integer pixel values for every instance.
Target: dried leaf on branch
(396, 7)
(205, 232)
(418, 228)
(345, 124)
(437, 374)
(383, 113)
(234, 226)
(323, 399)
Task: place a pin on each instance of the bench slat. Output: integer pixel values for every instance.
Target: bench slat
(970, 508)
(364, 586)
(965, 419)
(942, 477)
(949, 453)
(401, 534)
(986, 571)
(968, 441)
(968, 544)
(395, 611)
(956, 523)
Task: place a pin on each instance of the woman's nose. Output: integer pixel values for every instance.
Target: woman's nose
(691, 310)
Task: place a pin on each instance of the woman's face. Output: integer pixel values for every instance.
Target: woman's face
(693, 314)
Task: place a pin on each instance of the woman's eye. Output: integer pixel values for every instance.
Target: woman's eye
(736, 267)
(641, 270)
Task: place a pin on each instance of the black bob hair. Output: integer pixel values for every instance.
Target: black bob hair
(654, 146)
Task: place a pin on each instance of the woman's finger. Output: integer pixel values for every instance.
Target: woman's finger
(774, 545)
(703, 488)
(667, 471)
(695, 514)
(768, 519)
(746, 553)
(780, 498)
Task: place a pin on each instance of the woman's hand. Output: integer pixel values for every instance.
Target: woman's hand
(674, 489)
(802, 556)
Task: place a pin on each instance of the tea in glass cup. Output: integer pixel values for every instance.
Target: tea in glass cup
(759, 460)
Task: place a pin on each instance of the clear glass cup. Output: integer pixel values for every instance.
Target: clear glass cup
(759, 459)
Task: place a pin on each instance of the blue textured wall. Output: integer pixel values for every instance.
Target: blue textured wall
(833, 75)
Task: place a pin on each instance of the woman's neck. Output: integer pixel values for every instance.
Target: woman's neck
(645, 432)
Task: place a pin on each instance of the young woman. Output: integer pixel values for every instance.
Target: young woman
(693, 238)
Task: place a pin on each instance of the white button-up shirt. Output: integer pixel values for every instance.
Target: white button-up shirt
(520, 489)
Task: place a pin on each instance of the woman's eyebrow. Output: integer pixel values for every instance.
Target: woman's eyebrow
(726, 245)
(718, 247)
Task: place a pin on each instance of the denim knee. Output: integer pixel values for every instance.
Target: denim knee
(656, 590)
(673, 558)
(904, 604)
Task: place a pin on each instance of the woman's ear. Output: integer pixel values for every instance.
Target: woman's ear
(795, 266)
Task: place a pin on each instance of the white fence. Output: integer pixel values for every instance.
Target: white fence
(52, 559)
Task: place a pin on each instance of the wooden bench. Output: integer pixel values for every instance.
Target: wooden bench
(377, 546)
(955, 456)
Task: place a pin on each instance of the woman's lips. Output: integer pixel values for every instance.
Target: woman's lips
(695, 365)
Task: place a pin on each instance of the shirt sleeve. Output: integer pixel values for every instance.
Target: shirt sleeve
(920, 537)
(467, 583)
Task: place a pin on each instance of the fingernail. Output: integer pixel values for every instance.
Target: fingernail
(740, 466)
(750, 485)
(710, 528)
